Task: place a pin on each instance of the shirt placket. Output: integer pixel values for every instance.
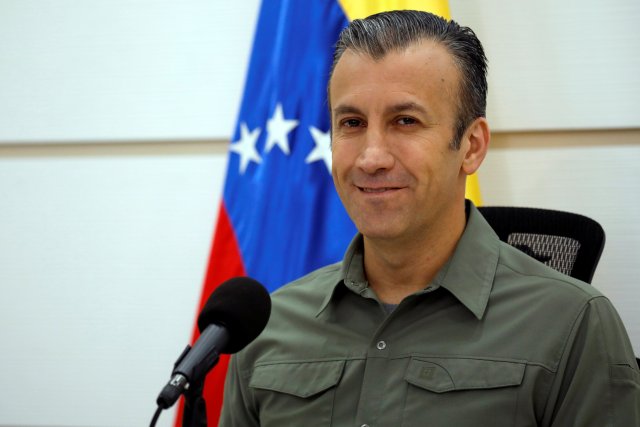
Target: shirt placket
(374, 382)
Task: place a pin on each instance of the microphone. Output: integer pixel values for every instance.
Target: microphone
(235, 314)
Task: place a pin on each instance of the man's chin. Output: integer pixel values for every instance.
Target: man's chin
(383, 233)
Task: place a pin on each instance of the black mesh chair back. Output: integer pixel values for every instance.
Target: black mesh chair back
(567, 242)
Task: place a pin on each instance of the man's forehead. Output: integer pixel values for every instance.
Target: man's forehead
(424, 62)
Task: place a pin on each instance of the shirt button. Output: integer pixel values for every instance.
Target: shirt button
(381, 346)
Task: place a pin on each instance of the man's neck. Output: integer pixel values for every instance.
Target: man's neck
(396, 269)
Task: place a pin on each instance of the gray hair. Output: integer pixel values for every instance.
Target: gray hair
(383, 32)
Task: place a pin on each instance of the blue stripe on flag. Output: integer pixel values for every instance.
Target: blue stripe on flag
(279, 193)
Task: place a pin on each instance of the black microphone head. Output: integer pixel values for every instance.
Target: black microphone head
(243, 306)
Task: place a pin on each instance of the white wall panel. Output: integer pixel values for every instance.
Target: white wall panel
(102, 260)
(570, 64)
(104, 70)
(132, 70)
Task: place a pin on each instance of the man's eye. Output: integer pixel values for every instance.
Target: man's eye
(352, 123)
(407, 121)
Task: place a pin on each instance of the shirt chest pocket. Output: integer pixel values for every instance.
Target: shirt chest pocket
(461, 392)
(296, 391)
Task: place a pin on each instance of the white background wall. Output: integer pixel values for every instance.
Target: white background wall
(105, 70)
(113, 122)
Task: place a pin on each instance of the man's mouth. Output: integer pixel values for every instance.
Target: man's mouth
(376, 189)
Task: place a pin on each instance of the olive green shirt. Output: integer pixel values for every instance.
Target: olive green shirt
(497, 339)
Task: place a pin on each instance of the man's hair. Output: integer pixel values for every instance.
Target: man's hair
(396, 30)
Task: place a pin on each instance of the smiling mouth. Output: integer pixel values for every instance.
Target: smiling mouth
(377, 190)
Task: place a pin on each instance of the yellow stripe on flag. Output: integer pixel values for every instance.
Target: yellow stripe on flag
(357, 9)
(473, 190)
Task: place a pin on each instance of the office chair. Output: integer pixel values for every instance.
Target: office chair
(567, 242)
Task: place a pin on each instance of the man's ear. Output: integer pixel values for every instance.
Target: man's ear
(477, 142)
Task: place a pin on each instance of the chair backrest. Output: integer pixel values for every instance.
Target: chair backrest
(567, 242)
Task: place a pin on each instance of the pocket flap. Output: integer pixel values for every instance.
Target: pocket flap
(302, 379)
(447, 374)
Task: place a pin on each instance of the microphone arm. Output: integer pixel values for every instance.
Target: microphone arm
(194, 363)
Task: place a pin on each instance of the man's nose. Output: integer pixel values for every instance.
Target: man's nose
(375, 153)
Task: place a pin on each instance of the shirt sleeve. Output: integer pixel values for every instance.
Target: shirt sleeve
(597, 382)
(236, 404)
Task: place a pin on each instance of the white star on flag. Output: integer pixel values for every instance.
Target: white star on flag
(278, 129)
(246, 147)
(322, 150)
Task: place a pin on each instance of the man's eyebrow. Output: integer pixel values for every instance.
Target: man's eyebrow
(394, 109)
(346, 109)
(406, 106)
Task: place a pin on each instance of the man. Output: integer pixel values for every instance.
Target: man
(429, 319)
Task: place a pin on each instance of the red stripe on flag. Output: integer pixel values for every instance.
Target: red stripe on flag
(225, 262)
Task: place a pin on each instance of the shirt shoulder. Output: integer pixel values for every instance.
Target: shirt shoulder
(315, 284)
(305, 296)
(515, 267)
(547, 311)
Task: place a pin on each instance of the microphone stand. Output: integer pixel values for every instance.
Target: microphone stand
(195, 410)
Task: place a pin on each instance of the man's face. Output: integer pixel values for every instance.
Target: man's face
(392, 125)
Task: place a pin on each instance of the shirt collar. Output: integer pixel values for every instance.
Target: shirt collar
(470, 271)
(351, 272)
(468, 274)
